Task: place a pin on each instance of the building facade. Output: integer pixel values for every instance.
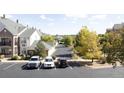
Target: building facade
(15, 38)
(9, 34)
(28, 39)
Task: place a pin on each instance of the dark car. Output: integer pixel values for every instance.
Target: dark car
(62, 63)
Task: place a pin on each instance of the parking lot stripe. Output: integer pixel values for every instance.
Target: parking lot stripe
(9, 66)
(70, 67)
(55, 68)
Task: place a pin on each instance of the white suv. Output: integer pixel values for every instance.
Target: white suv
(48, 62)
(34, 62)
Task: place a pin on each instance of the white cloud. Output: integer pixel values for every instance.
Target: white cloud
(119, 17)
(50, 19)
(99, 16)
(93, 23)
(44, 17)
(73, 22)
(50, 24)
(64, 18)
(110, 25)
(77, 15)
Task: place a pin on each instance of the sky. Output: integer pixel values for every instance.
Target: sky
(68, 23)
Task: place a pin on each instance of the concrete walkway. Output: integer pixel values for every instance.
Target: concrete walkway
(106, 65)
(21, 61)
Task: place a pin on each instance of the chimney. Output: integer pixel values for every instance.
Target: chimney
(3, 16)
(17, 21)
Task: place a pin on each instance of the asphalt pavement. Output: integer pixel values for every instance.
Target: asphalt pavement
(15, 70)
(74, 69)
(62, 51)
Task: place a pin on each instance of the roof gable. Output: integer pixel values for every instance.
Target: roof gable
(28, 32)
(13, 27)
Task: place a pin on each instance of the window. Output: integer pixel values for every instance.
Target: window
(24, 52)
(48, 60)
(23, 45)
(34, 59)
(23, 40)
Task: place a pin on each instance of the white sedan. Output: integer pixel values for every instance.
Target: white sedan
(48, 62)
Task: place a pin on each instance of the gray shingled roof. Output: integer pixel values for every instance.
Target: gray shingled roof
(28, 32)
(12, 26)
(118, 26)
(47, 45)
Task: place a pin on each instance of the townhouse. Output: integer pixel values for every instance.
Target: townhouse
(9, 34)
(17, 39)
(116, 27)
(27, 39)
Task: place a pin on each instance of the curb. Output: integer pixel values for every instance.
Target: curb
(19, 61)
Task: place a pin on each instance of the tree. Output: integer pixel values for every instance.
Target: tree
(40, 50)
(120, 50)
(48, 38)
(111, 46)
(86, 44)
(68, 40)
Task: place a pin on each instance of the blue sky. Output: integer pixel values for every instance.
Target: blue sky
(68, 23)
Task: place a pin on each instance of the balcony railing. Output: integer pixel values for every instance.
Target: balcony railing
(5, 43)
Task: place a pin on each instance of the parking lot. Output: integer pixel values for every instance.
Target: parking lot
(75, 70)
(16, 70)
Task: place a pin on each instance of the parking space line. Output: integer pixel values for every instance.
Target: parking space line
(9, 66)
(70, 66)
(54, 68)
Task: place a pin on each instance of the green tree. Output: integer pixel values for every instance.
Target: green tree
(68, 41)
(119, 35)
(86, 44)
(47, 38)
(40, 50)
(112, 46)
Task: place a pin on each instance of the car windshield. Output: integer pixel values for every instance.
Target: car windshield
(48, 60)
(34, 59)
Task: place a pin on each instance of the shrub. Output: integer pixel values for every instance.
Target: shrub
(2, 56)
(22, 57)
(75, 56)
(15, 57)
(26, 58)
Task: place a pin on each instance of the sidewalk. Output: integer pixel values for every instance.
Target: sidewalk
(21, 61)
(106, 65)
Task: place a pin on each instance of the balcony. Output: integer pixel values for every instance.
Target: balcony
(5, 43)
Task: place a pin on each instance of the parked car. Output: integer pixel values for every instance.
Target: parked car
(48, 62)
(62, 63)
(34, 62)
